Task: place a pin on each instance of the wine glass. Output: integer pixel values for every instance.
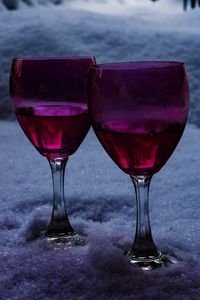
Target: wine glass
(138, 112)
(49, 96)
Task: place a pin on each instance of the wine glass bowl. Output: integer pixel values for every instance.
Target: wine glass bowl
(49, 97)
(56, 130)
(138, 112)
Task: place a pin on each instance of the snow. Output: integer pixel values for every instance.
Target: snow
(100, 197)
(101, 205)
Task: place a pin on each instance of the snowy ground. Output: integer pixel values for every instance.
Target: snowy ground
(102, 206)
(100, 197)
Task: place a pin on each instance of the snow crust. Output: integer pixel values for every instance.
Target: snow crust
(101, 205)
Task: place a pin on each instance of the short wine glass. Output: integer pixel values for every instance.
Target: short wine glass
(49, 97)
(138, 112)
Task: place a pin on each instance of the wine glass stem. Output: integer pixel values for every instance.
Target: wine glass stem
(59, 224)
(143, 246)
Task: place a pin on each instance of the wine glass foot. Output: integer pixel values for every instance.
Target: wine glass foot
(164, 259)
(65, 241)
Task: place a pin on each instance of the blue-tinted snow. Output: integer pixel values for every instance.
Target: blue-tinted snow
(101, 203)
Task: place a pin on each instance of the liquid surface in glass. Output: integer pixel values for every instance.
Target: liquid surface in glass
(139, 151)
(55, 129)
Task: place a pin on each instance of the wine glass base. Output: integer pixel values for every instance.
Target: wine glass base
(151, 263)
(66, 241)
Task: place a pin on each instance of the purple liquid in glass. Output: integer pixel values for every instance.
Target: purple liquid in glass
(140, 153)
(138, 112)
(49, 97)
(56, 130)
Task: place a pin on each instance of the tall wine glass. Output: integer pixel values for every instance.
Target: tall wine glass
(49, 96)
(139, 111)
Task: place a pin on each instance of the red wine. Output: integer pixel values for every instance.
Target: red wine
(56, 130)
(139, 151)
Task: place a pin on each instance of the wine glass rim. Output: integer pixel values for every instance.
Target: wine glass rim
(134, 65)
(52, 58)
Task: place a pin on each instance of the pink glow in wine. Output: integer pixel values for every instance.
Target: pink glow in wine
(55, 130)
(140, 153)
